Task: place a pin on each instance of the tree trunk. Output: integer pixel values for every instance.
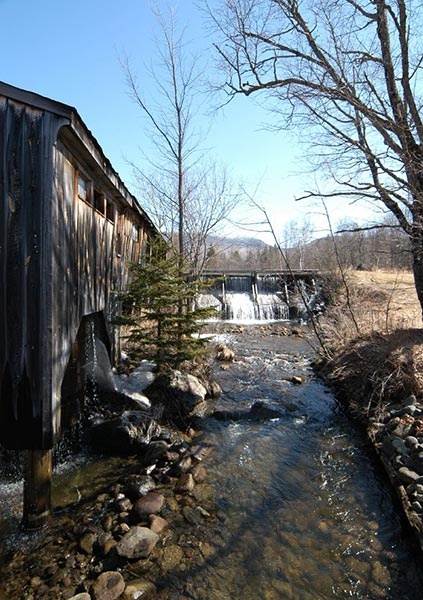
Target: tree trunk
(417, 253)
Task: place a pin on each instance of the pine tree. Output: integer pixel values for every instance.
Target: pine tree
(160, 330)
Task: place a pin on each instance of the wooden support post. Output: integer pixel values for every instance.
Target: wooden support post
(37, 488)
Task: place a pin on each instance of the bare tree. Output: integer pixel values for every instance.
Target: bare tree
(295, 239)
(210, 202)
(350, 71)
(187, 199)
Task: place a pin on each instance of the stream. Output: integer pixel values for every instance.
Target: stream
(304, 509)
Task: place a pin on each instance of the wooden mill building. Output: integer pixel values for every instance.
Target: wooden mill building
(68, 229)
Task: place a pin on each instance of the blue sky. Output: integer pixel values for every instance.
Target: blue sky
(69, 51)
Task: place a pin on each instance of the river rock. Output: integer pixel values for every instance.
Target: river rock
(183, 466)
(201, 451)
(185, 484)
(192, 516)
(153, 452)
(259, 411)
(82, 596)
(172, 557)
(399, 446)
(410, 401)
(87, 542)
(152, 503)
(140, 589)
(109, 586)
(224, 354)
(199, 473)
(139, 398)
(123, 504)
(405, 410)
(213, 389)
(402, 430)
(138, 542)
(104, 544)
(407, 476)
(138, 485)
(158, 524)
(411, 441)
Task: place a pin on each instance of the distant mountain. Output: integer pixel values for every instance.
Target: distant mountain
(240, 253)
(235, 243)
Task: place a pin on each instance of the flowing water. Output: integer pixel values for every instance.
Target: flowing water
(305, 512)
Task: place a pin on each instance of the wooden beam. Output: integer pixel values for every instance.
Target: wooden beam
(37, 488)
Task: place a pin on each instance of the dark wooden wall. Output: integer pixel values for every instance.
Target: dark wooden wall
(61, 258)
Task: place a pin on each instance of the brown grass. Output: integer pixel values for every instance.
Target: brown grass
(379, 302)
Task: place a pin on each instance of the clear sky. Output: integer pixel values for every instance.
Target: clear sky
(69, 51)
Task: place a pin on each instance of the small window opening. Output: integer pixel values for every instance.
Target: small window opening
(83, 188)
(99, 201)
(135, 233)
(110, 211)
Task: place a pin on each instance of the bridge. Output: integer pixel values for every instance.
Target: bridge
(267, 272)
(68, 230)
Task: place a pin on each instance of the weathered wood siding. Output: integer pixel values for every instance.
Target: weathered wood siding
(26, 147)
(61, 258)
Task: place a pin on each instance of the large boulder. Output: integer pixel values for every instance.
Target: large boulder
(129, 433)
(180, 393)
(259, 411)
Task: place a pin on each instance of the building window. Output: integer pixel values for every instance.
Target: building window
(83, 188)
(110, 211)
(135, 232)
(119, 234)
(99, 202)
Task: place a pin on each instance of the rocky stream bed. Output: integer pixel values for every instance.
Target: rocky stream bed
(156, 521)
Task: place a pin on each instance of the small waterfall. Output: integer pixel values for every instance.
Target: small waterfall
(91, 362)
(239, 307)
(271, 307)
(255, 307)
(263, 296)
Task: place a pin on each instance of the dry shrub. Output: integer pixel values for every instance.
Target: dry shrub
(369, 294)
(374, 370)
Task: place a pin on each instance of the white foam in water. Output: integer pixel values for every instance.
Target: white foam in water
(241, 307)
